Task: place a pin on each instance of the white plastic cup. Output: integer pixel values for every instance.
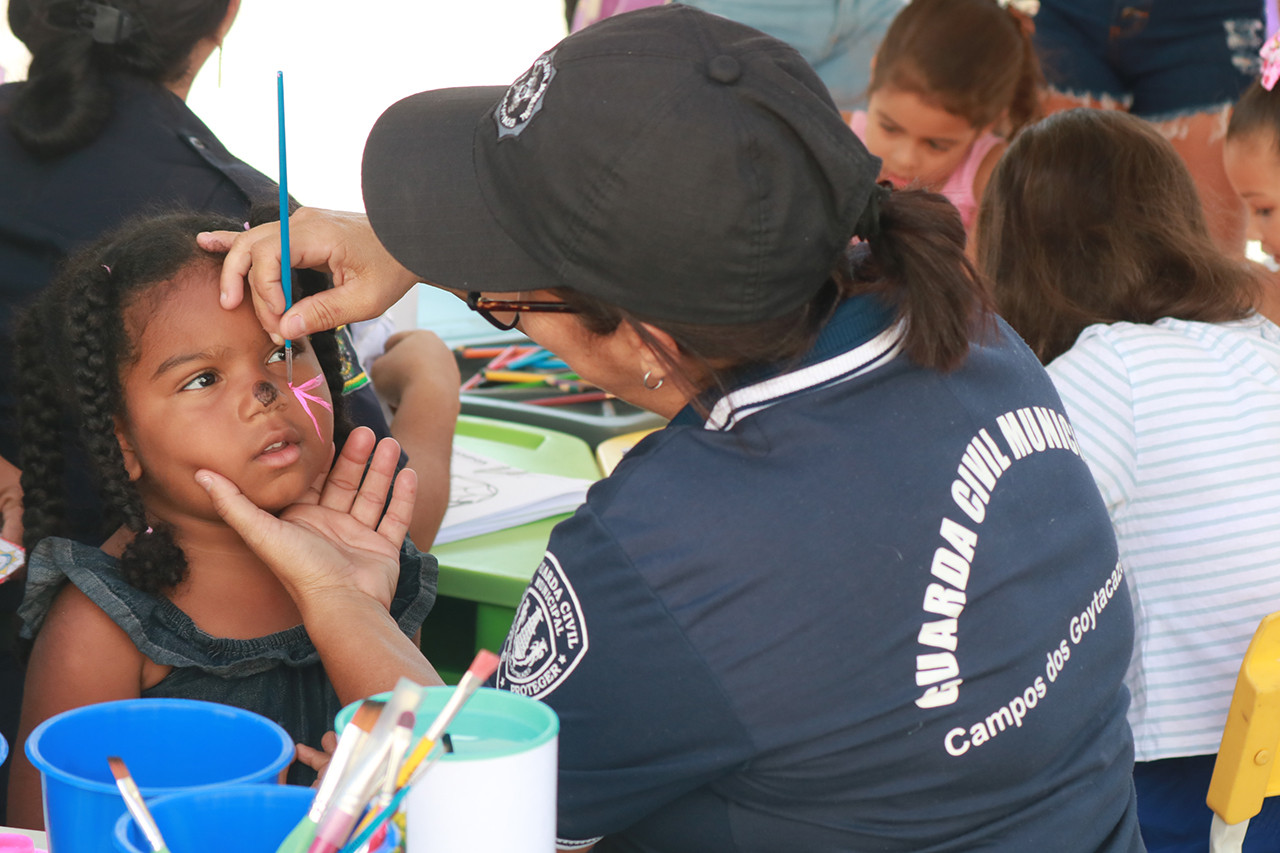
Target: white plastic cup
(497, 789)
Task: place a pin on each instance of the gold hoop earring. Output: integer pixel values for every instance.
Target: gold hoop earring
(645, 381)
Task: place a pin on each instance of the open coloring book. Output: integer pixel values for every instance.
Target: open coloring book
(487, 495)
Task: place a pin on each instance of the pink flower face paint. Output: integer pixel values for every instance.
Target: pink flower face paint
(300, 391)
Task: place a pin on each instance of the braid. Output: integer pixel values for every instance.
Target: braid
(40, 430)
(93, 334)
(153, 561)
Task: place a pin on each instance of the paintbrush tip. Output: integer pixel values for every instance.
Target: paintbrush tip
(406, 720)
(118, 768)
(367, 714)
(484, 665)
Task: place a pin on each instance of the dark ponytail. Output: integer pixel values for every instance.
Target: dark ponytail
(917, 264)
(65, 101)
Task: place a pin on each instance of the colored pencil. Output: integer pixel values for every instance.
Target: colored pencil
(570, 398)
(496, 362)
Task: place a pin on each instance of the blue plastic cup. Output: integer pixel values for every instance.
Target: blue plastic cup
(168, 745)
(239, 818)
(4, 749)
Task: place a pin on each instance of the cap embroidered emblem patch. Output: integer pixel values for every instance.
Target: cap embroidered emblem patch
(523, 100)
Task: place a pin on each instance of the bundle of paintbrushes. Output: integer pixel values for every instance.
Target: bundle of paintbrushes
(374, 765)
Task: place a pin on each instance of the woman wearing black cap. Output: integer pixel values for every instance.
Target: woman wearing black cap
(861, 593)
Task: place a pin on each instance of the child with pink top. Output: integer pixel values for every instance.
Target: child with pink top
(950, 83)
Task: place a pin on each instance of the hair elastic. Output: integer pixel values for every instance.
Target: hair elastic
(108, 24)
(1270, 54)
(868, 225)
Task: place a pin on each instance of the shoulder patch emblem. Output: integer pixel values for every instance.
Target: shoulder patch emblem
(548, 638)
(524, 98)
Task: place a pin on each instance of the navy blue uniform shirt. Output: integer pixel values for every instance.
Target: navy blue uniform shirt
(864, 606)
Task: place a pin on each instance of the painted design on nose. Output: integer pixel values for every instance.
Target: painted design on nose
(300, 391)
(265, 393)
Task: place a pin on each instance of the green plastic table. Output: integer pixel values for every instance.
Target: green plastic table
(483, 578)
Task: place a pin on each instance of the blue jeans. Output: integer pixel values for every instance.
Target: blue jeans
(1173, 815)
(837, 37)
(1159, 59)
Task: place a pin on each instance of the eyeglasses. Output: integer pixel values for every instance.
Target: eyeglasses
(504, 314)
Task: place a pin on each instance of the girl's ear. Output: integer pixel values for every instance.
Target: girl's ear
(131, 464)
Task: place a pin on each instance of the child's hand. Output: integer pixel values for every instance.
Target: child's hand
(332, 540)
(318, 759)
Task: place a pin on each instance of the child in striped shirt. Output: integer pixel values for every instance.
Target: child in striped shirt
(1093, 236)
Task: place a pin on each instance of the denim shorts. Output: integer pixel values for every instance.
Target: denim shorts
(1173, 815)
(837, 37)
(1159, 59)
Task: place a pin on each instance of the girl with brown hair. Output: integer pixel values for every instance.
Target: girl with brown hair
(1093, 236)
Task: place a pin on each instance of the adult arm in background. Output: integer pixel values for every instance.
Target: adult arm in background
(418, 378)
(366, 279)
(10, 501)
(338, 556)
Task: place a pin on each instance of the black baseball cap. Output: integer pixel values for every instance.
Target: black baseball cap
(671, 162)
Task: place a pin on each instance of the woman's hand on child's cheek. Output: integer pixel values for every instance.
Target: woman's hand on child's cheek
(338, 539)
(10, 501)
(318, 759)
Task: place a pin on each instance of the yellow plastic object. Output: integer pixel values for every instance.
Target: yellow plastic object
(1246, 772)
(610, 451)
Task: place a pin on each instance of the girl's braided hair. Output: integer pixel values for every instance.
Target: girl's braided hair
(72, 347)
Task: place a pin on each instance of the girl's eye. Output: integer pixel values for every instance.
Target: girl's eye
(277, 355)
(1263, 212)
(887, 130)
(941, 147)
(204, 380)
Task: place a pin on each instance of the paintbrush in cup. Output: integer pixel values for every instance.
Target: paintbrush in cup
(375, 828)
(363, 780)
(350, 742)
(478, 673)
(136, 805)
(401, 739)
